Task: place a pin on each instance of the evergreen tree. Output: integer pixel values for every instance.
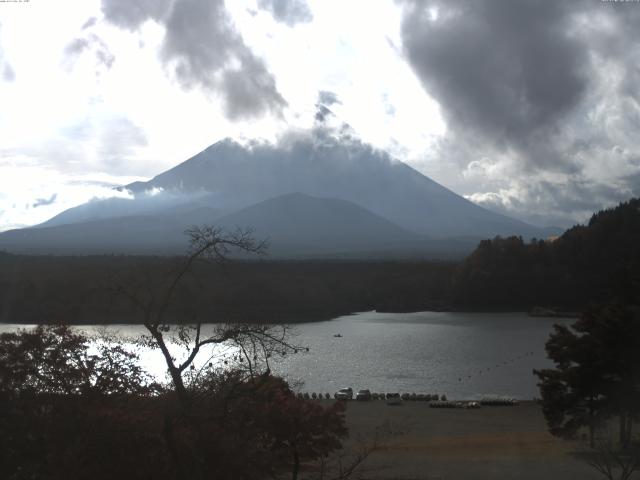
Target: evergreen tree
(597, 372)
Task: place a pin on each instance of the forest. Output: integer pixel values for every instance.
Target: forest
(591, 263)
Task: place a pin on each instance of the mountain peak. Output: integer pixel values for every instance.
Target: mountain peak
(323, 165)
(311, 192)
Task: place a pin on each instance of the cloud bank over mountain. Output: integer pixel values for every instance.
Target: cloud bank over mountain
(528, 108)
(330, 161)
(537, 99)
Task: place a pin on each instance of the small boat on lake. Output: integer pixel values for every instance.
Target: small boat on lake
(337, 335)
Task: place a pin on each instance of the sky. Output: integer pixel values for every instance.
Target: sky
(528, 108)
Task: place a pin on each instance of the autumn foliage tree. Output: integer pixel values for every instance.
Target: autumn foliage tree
(69, 411)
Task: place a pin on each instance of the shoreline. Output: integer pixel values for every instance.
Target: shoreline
(536, 312)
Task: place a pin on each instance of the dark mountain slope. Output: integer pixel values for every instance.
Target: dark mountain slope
(296, 225)
(135, 234)
(345, 169)
(301, 223)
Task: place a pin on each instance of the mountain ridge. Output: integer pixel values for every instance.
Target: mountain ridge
(239, 176)
(313, 195)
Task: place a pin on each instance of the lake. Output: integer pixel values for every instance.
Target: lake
(462, 355)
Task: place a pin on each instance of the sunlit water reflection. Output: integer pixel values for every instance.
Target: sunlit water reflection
(462, 355)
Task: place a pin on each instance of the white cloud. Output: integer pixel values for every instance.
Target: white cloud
(114, 101)
(24, 185)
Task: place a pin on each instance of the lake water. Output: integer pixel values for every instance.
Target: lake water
(462, 355)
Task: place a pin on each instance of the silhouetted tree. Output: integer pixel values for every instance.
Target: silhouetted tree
(597, 372)
(255, 342)
(190, 430)
(57, 360)
(69, 409)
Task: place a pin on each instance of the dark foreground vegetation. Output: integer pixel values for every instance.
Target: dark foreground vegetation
(68, 413)
(593, 263)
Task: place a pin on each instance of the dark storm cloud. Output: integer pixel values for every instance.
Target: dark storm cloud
(129, 14)
(325, 100)
(289, 12)
(203, 49)
(322, 114)
(501, 70)
(541, 100)
(250, 91)
(45, 201)
(621, 44)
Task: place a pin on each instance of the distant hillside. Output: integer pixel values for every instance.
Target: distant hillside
(597, 262)
(295, 225)
(162, 233)
(300, 225)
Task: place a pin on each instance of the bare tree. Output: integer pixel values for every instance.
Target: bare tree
(349, 463)
(610, 459)
(255, 343)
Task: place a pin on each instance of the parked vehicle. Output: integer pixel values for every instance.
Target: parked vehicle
(364, 395)
(445, 404)
(344, 394)
(394, 399)
(499, 401)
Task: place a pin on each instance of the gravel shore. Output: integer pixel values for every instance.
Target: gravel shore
(487, 443)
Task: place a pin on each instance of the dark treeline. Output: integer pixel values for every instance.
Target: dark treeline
(595, 263)
(588, 264)
(85, 289)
